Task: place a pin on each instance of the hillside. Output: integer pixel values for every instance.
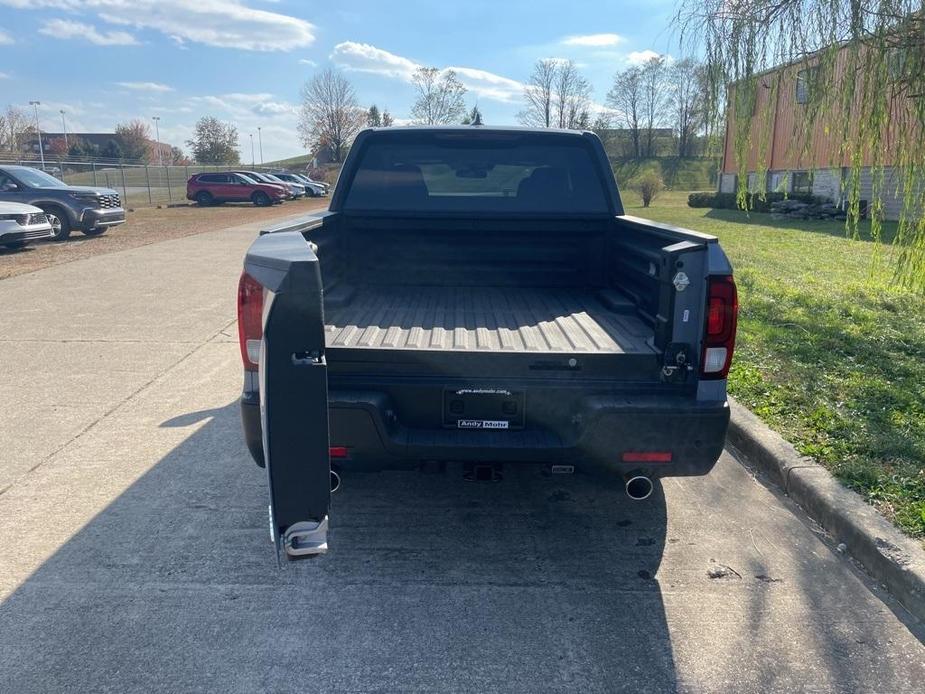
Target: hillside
(678, 174)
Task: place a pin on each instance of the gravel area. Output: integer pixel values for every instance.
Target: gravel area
(146, 225)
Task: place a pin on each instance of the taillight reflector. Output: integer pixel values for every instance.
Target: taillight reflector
(337, 451)
(250, 320)
(720, 329)
(647, 457)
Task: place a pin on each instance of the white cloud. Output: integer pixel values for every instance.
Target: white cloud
(640, 57)
(362, 57)
(222, 23)
(306, 61)
(593, 40)
(68, 29)
(146, 86)
(246, 105)
(273, 108)
(488, 85)
(4, 76)
(5, 38)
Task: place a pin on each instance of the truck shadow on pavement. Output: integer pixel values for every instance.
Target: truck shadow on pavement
(431, 583)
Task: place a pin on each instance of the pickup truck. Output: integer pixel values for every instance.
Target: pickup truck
(478, 295)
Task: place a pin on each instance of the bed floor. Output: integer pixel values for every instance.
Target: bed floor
(486, 319)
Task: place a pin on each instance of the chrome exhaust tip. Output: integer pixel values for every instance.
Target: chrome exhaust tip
(335, 481)
(639, 487)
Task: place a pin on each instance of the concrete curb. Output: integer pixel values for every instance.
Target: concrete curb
(890, 557)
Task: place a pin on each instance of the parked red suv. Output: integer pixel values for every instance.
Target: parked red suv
(211, 188)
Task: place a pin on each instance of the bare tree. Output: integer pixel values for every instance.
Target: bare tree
(687, 100)
(572, 97)
(14, 124)
(655, 99)
(625, 98)
(440, 96)
(557, 96)
(538, 95)
(330, 115)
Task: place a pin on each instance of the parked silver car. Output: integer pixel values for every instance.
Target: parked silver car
(20, 224)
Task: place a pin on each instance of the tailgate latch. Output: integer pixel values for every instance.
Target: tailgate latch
(677, 362)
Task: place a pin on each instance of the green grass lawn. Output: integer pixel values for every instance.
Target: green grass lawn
(830, 352)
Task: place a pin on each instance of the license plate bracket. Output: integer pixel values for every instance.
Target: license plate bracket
(483, 408)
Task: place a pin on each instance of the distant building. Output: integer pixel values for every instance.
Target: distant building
(778, 144)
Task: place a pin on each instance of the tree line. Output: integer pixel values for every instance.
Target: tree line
(131, 141)
(643, 103)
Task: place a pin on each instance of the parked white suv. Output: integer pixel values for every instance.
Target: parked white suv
(20, 224)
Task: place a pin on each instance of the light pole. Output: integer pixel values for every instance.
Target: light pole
(35, 105)
(253, 163)
(64, 126)
(157, 130)
(260, 143)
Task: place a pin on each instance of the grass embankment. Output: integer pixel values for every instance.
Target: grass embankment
(678, 174)
(831, 353)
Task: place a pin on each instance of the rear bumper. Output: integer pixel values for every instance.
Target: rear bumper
(594, 438)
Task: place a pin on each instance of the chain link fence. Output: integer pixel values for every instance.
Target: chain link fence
(139, 184)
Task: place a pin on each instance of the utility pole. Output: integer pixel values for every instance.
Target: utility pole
(64, 126)
(253, 163)
(157, 130)
(35, 105)
(260, 143)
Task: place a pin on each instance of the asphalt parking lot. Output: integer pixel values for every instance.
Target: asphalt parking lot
(135, 553)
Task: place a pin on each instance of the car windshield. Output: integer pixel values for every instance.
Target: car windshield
(247, 179)
(38, 179)
(497, 172)
(272, 178)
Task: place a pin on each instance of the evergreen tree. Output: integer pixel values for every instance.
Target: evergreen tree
(474, 117)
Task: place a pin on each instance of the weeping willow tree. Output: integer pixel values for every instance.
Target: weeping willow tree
(862, 68)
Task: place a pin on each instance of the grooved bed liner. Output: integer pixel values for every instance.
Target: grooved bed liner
(484, 319)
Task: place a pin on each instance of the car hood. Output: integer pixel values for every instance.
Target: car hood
(87, 189)
(18, 208)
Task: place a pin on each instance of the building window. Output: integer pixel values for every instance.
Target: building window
(805, 80)
(802, 182)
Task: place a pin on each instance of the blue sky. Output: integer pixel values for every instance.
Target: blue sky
(245, 61)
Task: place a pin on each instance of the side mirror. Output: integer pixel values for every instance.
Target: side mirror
(9, 187)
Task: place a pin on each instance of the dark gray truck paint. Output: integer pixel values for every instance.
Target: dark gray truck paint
(91, 209)
(377, 324)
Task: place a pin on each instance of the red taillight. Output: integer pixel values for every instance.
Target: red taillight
(337, 452)
(647, 457)
(250, 320)
(720, 338)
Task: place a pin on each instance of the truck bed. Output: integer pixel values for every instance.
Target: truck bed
(485, 319)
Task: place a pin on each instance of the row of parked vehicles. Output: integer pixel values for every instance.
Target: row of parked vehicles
(257, 187)
(34, 206)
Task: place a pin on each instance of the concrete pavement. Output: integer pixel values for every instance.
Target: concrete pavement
(135, 555)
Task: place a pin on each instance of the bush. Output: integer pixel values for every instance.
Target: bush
(648, 184)
(754, 202)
